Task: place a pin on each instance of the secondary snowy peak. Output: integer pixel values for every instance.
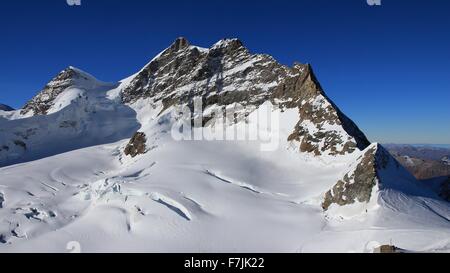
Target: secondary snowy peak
(5, 108)
(70, 77)
(73, 111)
(228, 73)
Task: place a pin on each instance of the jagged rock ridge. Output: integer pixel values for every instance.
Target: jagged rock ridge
(228, 73)
(357, 185)
(222, 75)
(378, 170)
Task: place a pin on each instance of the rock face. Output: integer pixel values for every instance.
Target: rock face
(228, 73)
(69, 77)
(357, 185)
(6, 108)
(137, 145)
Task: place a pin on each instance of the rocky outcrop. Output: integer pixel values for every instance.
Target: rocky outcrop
(224, 74)
(137, 145)
(322, 128)
(228, 73)
(357, 185)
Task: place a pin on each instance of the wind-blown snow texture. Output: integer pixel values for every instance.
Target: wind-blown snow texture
(65, 176)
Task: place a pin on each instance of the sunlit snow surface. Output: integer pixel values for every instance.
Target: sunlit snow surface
(187, 196)
(199, 196)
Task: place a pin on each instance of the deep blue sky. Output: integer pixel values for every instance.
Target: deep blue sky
(387, 67)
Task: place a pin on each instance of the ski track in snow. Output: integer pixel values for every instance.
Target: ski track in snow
(172, 205)
(243, 185)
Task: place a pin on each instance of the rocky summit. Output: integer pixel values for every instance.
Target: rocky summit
(70, 77)
(228, 73)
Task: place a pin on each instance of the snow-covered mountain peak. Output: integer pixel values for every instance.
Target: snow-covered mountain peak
(179, 44)
(233, 44)
(228, 73)
(76, 73)
(69, 78)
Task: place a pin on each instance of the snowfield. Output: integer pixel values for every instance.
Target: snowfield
(199, 196)
(68, 183)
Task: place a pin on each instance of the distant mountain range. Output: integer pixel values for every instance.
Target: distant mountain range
(4, 107)
(424, 161)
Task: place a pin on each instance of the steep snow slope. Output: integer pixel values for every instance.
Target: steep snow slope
(322, 187)
(202, 197)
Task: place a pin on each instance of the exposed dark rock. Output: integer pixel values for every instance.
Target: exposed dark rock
(42, 102)
(137, 145)
(225, 74)
(357, 185)
(305, 93)
(228, 73)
